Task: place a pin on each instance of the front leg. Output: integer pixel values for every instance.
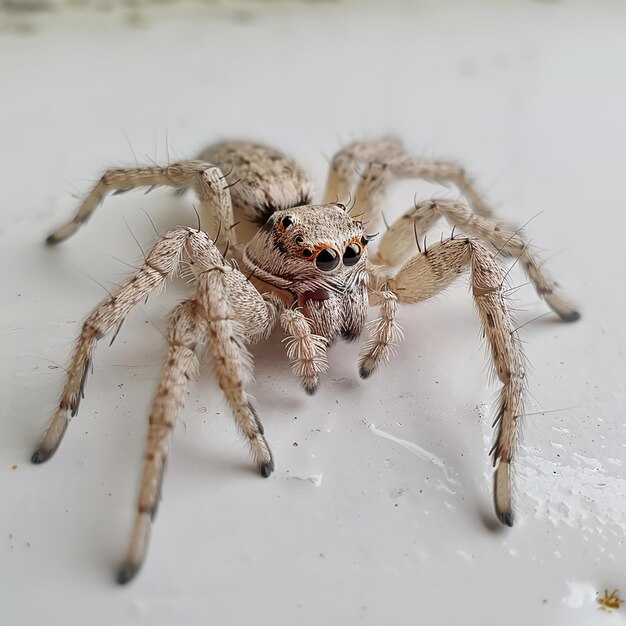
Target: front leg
(429, 273)
(231, 359)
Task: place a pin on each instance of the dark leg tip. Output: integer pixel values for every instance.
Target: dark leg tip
(40, 456)
(574, 316)
(126, 573)
(363, 373)
(506, 518)
(310, 391)
(267, 468)
(52, 240)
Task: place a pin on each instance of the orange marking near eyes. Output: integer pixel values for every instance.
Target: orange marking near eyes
(357, 241)
(318, 247)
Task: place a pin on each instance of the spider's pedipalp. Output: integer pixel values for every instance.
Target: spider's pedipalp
(306, 351)
(385, 332)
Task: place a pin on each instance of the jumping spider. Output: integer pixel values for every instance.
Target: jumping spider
(307, 269)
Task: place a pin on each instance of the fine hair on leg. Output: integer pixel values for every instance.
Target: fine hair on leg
(429, 273)
(186, 336)
(162, 261)
(208, 180)
(508, 242)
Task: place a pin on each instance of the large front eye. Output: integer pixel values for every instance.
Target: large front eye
(327, 259)
(352, 254)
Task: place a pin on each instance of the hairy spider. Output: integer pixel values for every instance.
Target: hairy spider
(307, 269)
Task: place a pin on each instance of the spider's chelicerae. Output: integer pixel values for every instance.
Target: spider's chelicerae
(306, 268)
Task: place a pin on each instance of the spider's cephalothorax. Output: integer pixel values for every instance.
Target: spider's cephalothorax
(306, 269)
(318, 254)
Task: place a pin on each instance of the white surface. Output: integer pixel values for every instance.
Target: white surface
(531, 99)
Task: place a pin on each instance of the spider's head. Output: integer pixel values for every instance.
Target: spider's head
(309, 247)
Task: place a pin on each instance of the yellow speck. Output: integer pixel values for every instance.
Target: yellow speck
(13, 467)
(609, 601)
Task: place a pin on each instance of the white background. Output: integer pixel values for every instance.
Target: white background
(530, 98)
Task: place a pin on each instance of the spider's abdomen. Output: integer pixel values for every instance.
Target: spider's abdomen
(262, 179)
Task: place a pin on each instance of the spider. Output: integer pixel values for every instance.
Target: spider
(307, 269)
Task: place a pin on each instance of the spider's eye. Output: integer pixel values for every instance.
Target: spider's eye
(287, 222)
(307, 252)
(327, 259)
(352, 254)
(299, 240)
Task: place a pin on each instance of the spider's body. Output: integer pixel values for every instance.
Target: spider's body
(268, 180)
(306, 267)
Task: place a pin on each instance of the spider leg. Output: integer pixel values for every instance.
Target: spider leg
(225, 313)
(381, 159)
(430, 272)
(162, 261)
(207, 179)
(385, 158)
(186, 334)
(228, 304)
(397, 241)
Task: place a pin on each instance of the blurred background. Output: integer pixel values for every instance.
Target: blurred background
(353, 528)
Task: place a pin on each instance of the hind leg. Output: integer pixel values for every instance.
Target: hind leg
(381, 160)
(207, 179)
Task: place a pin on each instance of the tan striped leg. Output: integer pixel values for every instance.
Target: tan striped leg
(187, 333)
(162, 261)
(218, 289)
(381, 160)
(427, 274)
(405, 234)
(505, 239)
(207, 179)
(343, 167)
